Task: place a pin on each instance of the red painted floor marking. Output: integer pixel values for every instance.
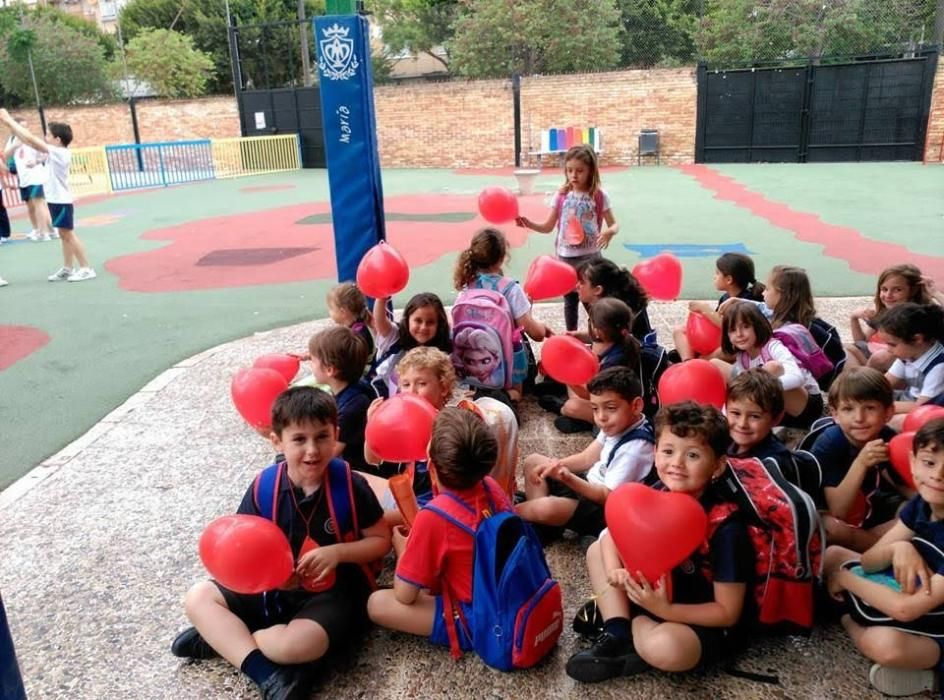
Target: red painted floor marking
(17, 342)
(174, 267)
(863, 254)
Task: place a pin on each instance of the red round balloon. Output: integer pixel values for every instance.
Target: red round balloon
(498, 205)
(254, 391)
(382, 272)
(654, 531)
(400, 428)
(899, 454)
(660, 276)
(704, 337)
(549, 278)
(693, 380)
(567, 360)
(921, 415)
(246, 553)
(286, 365)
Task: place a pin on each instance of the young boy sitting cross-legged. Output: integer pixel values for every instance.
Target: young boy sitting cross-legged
(571, 492)
(269, 636)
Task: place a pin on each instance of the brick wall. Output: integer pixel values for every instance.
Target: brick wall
(935, 136)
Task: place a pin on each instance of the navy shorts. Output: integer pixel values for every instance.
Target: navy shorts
(4, 222)
(32, 192)
(62, 215)
(440, 636)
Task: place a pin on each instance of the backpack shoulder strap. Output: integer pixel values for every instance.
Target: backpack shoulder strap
(265, 491)
(340, 490)
(643, 432)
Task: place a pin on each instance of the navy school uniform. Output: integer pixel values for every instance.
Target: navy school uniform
(353, 402)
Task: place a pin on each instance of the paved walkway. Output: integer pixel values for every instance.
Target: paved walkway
(100, 543)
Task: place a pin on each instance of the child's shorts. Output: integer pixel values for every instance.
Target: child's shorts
(440, 635)
(930, 624)
(588, 517)
(62, 215)
(32, 192)
(4, 222)
(342, 611)
(813, 410)
(717, 643)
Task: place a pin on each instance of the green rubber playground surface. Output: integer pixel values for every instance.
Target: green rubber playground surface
(186, 268)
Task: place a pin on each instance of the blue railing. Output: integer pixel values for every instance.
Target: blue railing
(133, 166)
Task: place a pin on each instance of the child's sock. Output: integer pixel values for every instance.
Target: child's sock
(258, 667)
(619, 628)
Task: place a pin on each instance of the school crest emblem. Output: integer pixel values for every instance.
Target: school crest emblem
(338, 60)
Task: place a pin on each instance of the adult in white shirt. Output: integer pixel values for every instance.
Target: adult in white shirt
(32, 175)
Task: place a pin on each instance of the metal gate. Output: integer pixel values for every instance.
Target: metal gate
(274, 84)
(875, 109)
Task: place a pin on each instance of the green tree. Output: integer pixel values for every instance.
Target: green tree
(657, 32)
(168, 62)
(416, 26)
(69, 65)
(495, 38)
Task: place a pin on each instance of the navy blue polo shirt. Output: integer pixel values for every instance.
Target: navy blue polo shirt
(614, 357)
(353, 402)
(770, 446)
(928, 534)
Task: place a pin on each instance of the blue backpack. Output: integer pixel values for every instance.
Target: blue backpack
(517, 613)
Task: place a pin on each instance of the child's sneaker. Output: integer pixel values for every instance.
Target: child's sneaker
(190, 645)
(3, 282)
(61, 275)
(54, 234)
(44, 237)
(82, 274)
(33, 236)
(901, 682)
(609, 657)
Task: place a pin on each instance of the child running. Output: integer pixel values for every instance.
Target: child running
(582, 218)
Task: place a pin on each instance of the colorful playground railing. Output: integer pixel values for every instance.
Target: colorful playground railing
(101, 170)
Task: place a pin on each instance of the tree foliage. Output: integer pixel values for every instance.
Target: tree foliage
(169, 63)
(657, 32)
(416, 26)
(495, 38)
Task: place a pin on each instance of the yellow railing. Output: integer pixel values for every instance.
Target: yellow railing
(255, 155)
(89, 172)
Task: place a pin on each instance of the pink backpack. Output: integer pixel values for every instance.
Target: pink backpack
(800, 342)
(483, 333)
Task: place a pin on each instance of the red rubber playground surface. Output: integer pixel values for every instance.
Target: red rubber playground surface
(186, 268)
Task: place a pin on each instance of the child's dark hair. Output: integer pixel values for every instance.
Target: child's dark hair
(341, 348)
(861, 384)
(740, 268)
(744, 312)
(586, 155)
(917, 292)
(796, 296)
(907, 320)
(443, 337)
(488, 248)
(347, 296)
(462, 448)
(61, 131)
(300, 405)
(615, 281)
(758, 386)
(614, 320)
(619, 380)
(689, 419)
(930, 436)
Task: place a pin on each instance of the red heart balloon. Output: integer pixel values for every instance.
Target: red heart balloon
(899, 454)
(921, 415)
(660, 276)
(400, 429)
(254, 391)
(382, 272)
(246, 553)
(286, 365)
(704, 337)
(498, 205)
(567, 360)
(654, 531)
(693, 380)
(549, 278)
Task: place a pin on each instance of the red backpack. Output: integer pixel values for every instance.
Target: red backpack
(787, 536)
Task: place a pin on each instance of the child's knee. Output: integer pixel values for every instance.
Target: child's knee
(667, 650)
(533, 461)
(378, 605)
(881, 645)
(836, 556)
(200, 596)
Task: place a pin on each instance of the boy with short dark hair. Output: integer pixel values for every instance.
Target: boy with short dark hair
(571, 492)
(58, 195)
(700, 624)
(754, 405)
(863, 493)
(338, 357)
(269, 636)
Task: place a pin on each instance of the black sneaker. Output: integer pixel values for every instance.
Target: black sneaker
(609, 657)
(549, 388)
(551, 403)
(190, 645)
(288, 683)
(588, 622)
(571, 425)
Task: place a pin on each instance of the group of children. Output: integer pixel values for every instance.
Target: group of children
(884, 535)
(41, 166)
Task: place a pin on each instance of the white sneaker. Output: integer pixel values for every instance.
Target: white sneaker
(33, 236)
(55, 234)
(44, 237)
(60, 275)
(901, 682)
(3, 282)
(82, 274)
